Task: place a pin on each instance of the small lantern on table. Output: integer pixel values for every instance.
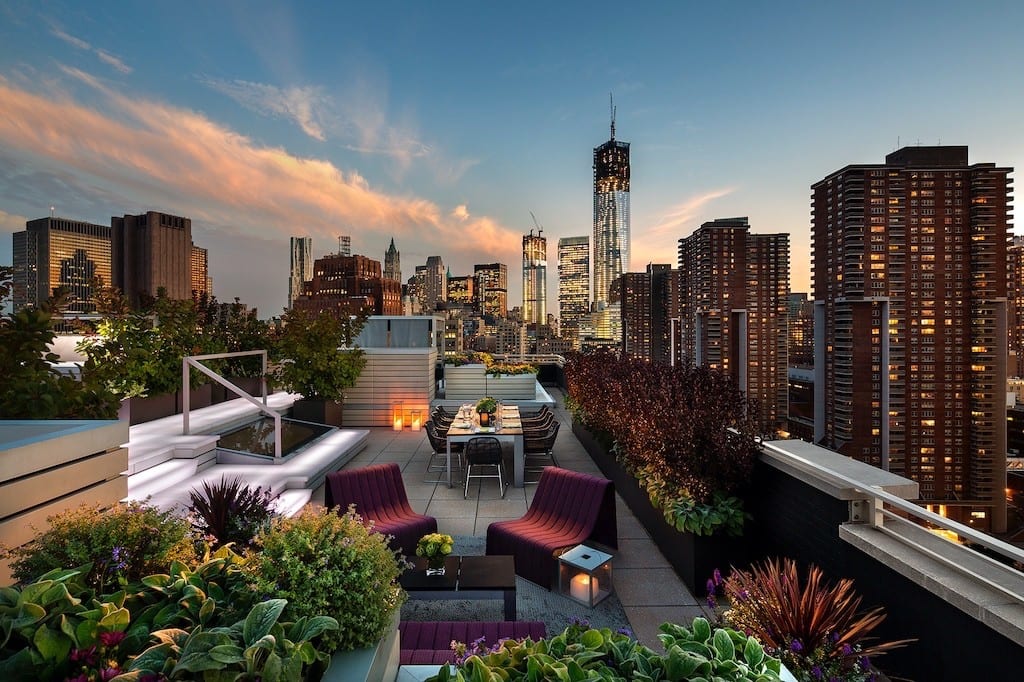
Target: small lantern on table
(397, 416)
(585, 574)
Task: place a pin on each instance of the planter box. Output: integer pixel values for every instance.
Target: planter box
(693, 557)
(470, 382)
(141, 410)
(201, 396)
(250, 385)
(318, 411)
(372, 664)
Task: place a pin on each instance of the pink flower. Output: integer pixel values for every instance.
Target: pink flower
(111, 638)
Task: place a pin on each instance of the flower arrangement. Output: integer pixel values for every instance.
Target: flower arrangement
(434, 547)
(487, 405)
(510, 368)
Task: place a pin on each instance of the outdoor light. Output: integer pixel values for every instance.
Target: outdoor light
(416, 420)
(585, 574)
(397, 421)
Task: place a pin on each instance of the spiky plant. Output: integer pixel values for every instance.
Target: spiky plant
(817, 627)
(230, 511)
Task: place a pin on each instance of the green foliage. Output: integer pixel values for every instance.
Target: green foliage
(314, 354)
(687, 433)
(488, 405)
(241, 330)
(31, 388)
(469, 357)
(325, 563)
(256, 648)
(122, 544)
(216, 592)
(510, 368)
(230, 511)
(583, 653)
(816, 627)
(54, 628)
(137, 353)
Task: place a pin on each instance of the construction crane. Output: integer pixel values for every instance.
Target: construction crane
(539, 228)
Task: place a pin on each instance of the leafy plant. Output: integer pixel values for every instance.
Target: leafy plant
(54, 628)
(687, 433)
(325, 563)
(510, 368)
(469, 357)
(315, 354)
(216, 592)
(32, 388)
(583, 653)
(488, 405)
(230, 511)
(121, 544)
(816, 627)
(256, 648)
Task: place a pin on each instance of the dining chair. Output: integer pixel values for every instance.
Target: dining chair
(484, 451)
(439, 450)
(539, 451)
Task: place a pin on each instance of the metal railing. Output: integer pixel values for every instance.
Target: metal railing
(876, 499)
(195, 362)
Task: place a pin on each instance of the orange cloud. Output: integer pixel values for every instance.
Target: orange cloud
(156, 154)
(659, 243)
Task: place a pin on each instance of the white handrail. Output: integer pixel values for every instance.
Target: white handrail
(193, 361)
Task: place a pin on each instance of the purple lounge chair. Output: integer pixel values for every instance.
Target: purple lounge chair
(378, 493)
(569, 508)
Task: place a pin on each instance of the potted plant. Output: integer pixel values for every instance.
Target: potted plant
(238, 331)
(679, 444)
(434, 547)
(316, 358)
(486, 407)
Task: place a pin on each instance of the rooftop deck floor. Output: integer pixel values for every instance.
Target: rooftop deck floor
(649, 590)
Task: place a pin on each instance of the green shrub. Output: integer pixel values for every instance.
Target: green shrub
(583, 653)
(325, 563)
(256, 648)
(123, 544)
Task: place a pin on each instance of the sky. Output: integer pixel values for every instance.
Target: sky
(444, 125)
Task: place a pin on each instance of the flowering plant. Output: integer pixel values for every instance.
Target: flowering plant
(434, 546)
(510, 368)
(488, 405)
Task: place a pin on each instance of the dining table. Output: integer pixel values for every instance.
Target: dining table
(507, 428)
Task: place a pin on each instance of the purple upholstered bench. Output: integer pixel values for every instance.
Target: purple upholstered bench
(429, 642)
(379, 495)
(569, 508)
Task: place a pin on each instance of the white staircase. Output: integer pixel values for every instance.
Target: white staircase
(164, 465)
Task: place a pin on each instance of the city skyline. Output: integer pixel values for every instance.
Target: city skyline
(439, 129)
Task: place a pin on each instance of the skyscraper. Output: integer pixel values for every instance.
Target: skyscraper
(910, 290)
(435, 284)
(611, 214)
(199, 272)
(344, 245)
(735, 289)
(393, 263)
(650, 312)
(573, 282)
(492, 288)
(301, 250)
(1015, 262)
(535, 278)
(150, 252)
(346, 285)
(801, 330)
(56, 252)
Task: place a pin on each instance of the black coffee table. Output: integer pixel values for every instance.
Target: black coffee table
(466, 577)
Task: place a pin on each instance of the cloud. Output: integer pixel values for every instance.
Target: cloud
(113, 61)
(70, 39)
(461, 212)
(156, 155)
(674, 217)
(304, 106)
(104, 56)
(658, 243)
(10, 222)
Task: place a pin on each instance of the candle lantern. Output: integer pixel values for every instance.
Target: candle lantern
(417, 419)
(585, 574)
(397, 420)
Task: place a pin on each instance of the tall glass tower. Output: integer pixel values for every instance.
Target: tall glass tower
(535, 278)
(301, 251)
(611, 215)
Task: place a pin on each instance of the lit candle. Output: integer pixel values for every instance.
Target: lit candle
(398, 423)
(580, 586)
(416, 420)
